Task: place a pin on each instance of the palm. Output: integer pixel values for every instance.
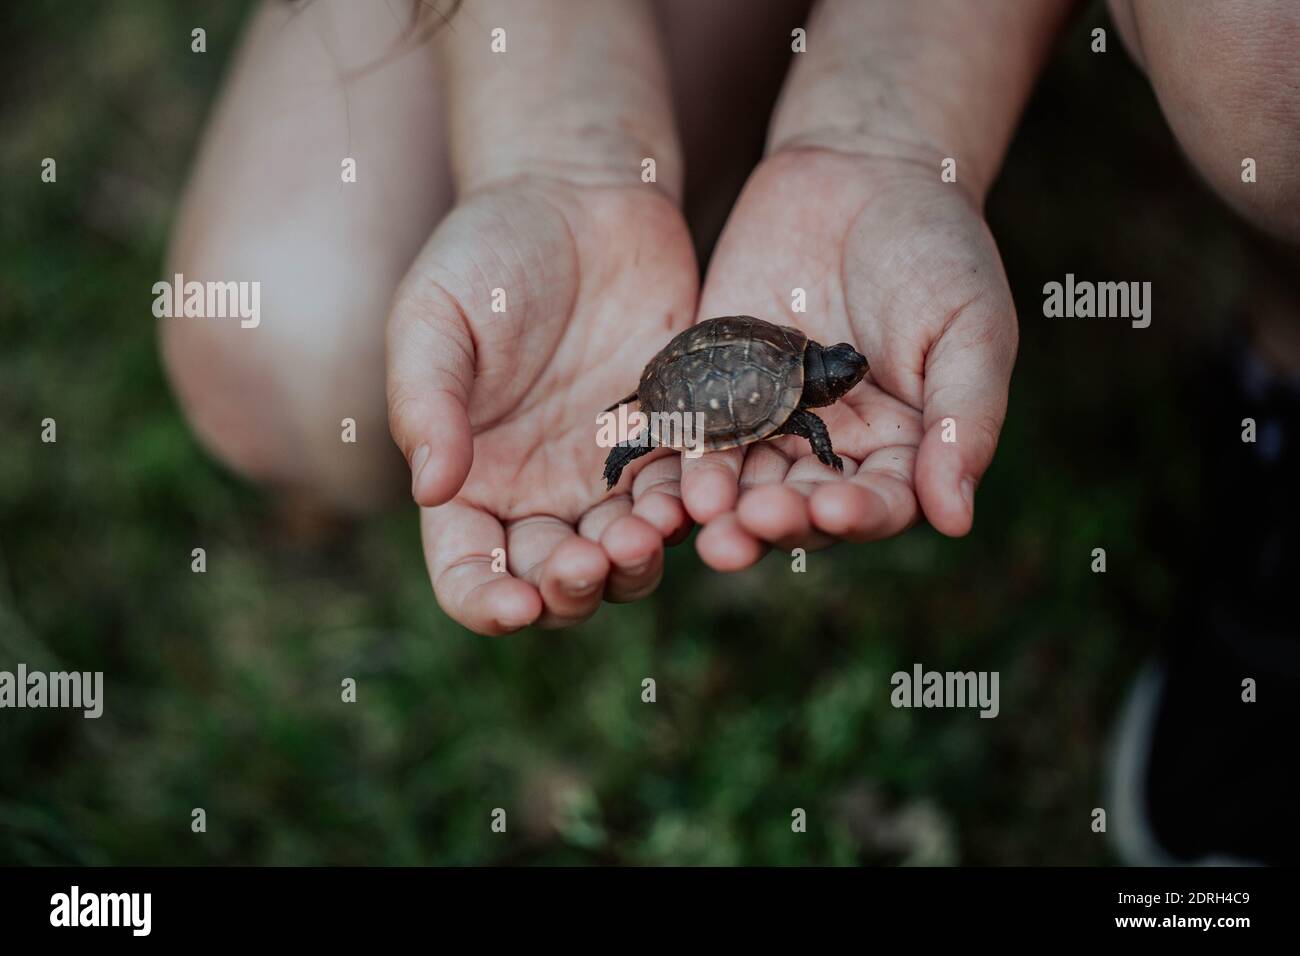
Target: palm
(895, 263)
(587, 284)
(630, 288)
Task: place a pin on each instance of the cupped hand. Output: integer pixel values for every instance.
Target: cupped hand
(533, 306)
(902, 266)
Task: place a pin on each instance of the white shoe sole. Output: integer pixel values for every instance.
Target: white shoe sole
(1133, 839)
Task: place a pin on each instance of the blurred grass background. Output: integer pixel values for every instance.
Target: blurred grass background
(223, 688)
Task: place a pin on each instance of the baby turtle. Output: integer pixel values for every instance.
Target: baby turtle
(748, 380)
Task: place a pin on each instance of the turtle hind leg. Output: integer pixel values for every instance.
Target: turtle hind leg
(807, 425)
(620, 456)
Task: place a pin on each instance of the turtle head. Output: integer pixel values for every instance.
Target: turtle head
(830, 371)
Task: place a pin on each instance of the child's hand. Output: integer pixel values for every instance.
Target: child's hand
(592, 279)
(851, 208)
(534, 305)
(901, 266)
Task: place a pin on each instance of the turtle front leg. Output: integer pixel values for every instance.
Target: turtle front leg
(807, 425)
(620, 456)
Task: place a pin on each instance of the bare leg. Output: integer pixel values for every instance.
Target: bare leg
(266, 202)
(1225, 72)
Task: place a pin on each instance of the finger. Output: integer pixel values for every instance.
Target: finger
(779, 509)
(775, 513)
(725, 546)
(463, 546)
(876, 503)
(953, 455)
(770, 510)
(967, 375)
(776, 485)
(711, 483)
(657, 499)
(633, 545)
(664, 513)
(766, 463)
(568, 570)
(636, 550)
(602, 514)
(430, 374)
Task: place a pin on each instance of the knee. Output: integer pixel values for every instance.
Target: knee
(1226, 74)
(296, 403)
(234, 404)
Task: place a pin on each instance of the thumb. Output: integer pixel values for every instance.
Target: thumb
(967, 376)
(430, 376)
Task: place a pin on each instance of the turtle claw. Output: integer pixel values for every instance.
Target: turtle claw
(829, 459)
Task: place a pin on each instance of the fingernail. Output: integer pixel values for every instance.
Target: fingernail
(637, 569)
(968, 493)
(417, 466)
(581, 588)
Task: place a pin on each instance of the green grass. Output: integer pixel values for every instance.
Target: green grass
(223, 689)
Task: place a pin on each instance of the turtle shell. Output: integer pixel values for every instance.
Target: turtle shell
(744, 375)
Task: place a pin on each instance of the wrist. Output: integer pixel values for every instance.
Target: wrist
(573, 150)
(575, 91)
(918, 83)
